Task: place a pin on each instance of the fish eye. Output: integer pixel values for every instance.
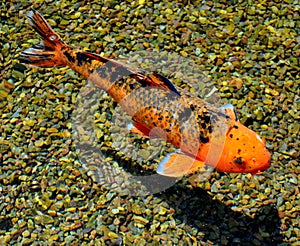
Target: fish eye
(239, 161)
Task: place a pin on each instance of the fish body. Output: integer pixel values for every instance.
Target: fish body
(204, 134)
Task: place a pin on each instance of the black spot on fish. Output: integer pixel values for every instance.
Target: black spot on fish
(69, 57)
(239, 151)
(102, 72)
(112, 72)
(117, 72)
(209, 128)
(238, 160)
(203, 139)
(192, 107)
(205, 117)
(132, 86)
(235, 127)
(62, 47)
(185, 114)
(203, 125)
(81, 57)
(230, 135)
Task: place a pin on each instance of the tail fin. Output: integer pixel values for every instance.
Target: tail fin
(45, 54)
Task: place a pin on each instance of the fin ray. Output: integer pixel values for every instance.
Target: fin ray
(156, 80)
(178, 165)
(163, 81)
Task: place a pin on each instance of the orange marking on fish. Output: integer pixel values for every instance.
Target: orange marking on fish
(205, 134)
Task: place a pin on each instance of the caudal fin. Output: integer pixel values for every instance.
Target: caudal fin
(45, 54)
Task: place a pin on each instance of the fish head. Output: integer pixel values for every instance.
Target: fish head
(243, 151)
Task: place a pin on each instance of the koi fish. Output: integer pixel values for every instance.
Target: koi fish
(203, 134)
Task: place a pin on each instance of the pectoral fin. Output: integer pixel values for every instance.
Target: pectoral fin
(230, 111)
(178, 165)
(138, 129)
(145, 132)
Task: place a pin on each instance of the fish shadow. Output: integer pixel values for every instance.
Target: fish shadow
(219, 223)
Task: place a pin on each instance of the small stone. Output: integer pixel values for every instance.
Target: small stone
(26, 233)
(71, 210)
(112, 235)
(46, 219)
(136, 209)
(140, 220)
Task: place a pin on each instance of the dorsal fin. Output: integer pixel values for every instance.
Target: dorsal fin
(164, 82)
(156, 80)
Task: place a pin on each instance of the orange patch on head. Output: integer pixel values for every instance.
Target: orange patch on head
(243, 152)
